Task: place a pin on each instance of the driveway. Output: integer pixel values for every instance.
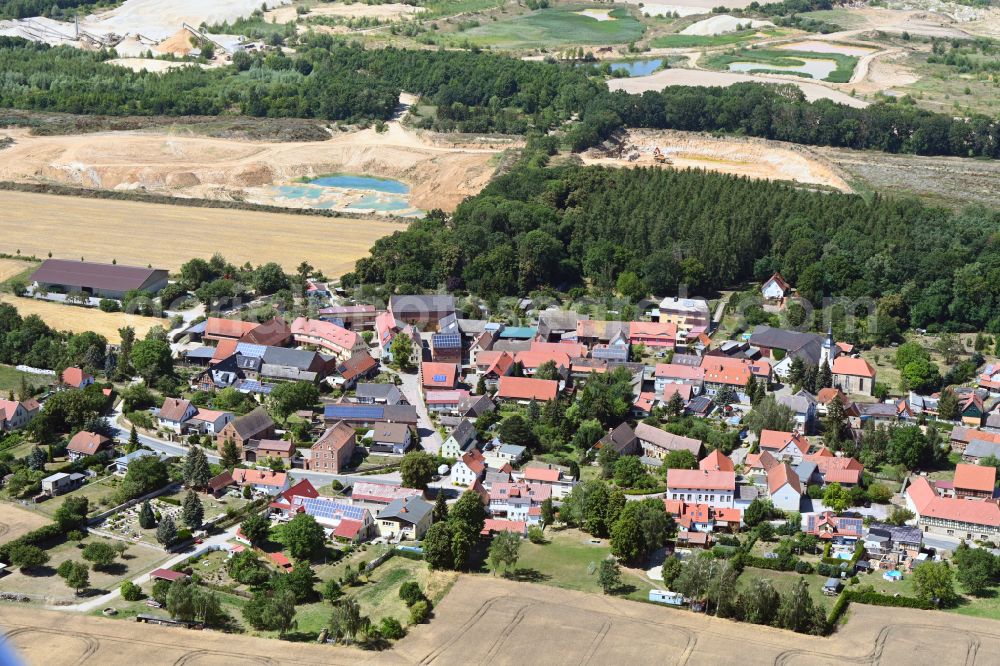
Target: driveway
(430, 438)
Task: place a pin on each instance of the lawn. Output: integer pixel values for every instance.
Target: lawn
(45, 581)
(99, 493)
(554, 27)
(10, 378)
(570, 560)
(783, 58)
(678, 41)
(784, 580)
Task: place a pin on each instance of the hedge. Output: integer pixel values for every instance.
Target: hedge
(43, 534)
(773, 565)
(871, 598)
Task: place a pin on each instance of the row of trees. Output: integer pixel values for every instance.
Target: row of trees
(559, 227)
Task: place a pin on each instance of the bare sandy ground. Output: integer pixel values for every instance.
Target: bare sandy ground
(168, 235)
(387, 12)
(148, 64)
(439, 175)
(755, 158)
(15, 521)
(76, 319)
(486, 620)
(691, 77)
(158, 19)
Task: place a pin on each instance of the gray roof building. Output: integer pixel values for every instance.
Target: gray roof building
(99, 278)
(386, 394)
(407, 509)
(807, 346)
(980, 448)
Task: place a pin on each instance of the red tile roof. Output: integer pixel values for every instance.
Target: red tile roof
(527, 388)
(224, 349)
(781, 475)
(258, 477)
(678, 371)
(763, 460)
(929, 504)
(857, 367)
(980, 478)
(87, 443)
(167, 574)
(439, 375)
(174, 409)
(700, 479)
(777, 440)
(348, 529)
(74, 376)
(492, 525)
(685, 391)
(228, 328)
(541, 474)
(778, 280)
(301, 489)
(716, 461)
(331, 335)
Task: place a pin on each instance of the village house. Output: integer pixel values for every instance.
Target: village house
(669, 374)
(378, 394)
(702, 487)
(622, 440)
(468, 469)
(359, 366)
(333, 450)
(15, 414)
(405, 518)
(841, 531)
(971, 409)
(122, 463)
(657, 337)
(803, 406)
(366, 416)
(775, 288)
(61, 483)
(687, 314)
(421, 310)
(892, 547)
(525, 389)
(339, 341)
(263, 450)
(86, 443)
(376, 495)
(438, 375)
(962, 436)
(340, 520)
(784, 488)
(261, 482)
(978, 449)
(734, 373)
(355, 317)
(65, 276)
(292, 365)
(702, 517)
(492, 365)
(174, 414)
(445, 401)
(519, 501)
(975, 481)
(460, 441)
(559, 484)
(958, 518)
(716, 461)
(658, 443)
(828, 468)
(759, 463)
(853, 375)
(255, 425)
(390, 439)
(446, 346)
(76, 378)
(208, 421)
(784, 446)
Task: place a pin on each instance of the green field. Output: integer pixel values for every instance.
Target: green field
(548, 28)
(10, 379)
(678, 41)
(783, 58)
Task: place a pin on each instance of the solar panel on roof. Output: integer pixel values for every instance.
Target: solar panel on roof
(248, 349)
(447, 340)
(369, 412)
(440, 378)
(252, 386)
(321, 508)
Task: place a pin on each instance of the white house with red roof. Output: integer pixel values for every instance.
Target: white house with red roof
(657, 336)
(853, 375)
(975, 481)
(952, 517)
(844, 470)
(76, 378)
(667, 374)
(784, 446)
(560, 485)
(377, 495)
(468, 469)
(438, 375)
(15, 414)
(775, 288)
(341, 342)
(262, 482)
(516, 500)
(700, 486)
(526, 389)
(716, 461)
(784, 487)
(702, 517)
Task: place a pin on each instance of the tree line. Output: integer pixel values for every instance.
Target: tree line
(561, 227)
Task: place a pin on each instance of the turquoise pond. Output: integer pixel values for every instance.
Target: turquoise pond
(380, 195)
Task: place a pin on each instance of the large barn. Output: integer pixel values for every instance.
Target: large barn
(102, 280)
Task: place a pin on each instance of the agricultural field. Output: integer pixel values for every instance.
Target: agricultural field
(73, 227)
(12, 268)
(79, 319)
(678, 41)
(553, 28)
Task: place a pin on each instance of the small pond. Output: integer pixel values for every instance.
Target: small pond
(817, 69)
(637, 67)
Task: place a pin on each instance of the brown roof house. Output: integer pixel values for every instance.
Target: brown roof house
(334, 449)
(255, 425)
(101, 280)
(86, 443)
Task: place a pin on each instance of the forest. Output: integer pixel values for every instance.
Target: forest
(56, 9)
(782, 113)
(646, 231)
(471, 92)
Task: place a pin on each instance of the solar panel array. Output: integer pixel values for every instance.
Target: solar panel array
(446, 340)
(321, 508)
(440, 378)
(248, 349)
(370, 412)
(253, 386)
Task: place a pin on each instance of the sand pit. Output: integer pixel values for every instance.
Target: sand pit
(722, 24)
(439, 176)
(159, 19)
(148, 64)
(15, 521)
(80, 320)
(690, 77)
(754, 158)
(168, 235)
(390, 11)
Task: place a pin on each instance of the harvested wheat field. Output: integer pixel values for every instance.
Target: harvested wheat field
(740, 156)
(15, 522)
(438, 175)
(567, 627)
(78, 319)
(11, 267)
(167, 235)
